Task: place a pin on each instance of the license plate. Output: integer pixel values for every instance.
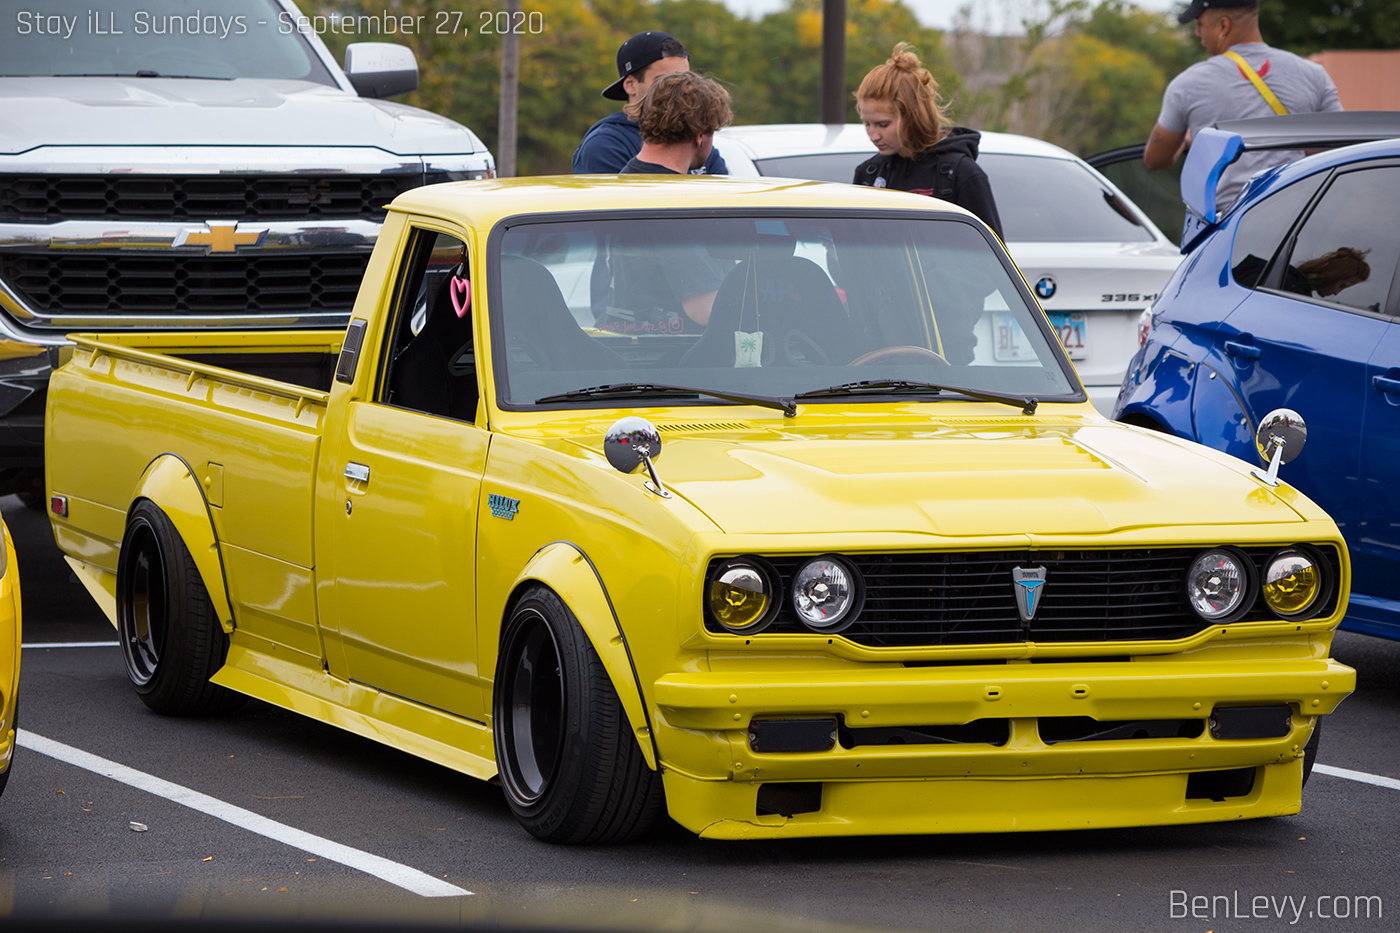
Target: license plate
(1011, 345)
(1073, 332)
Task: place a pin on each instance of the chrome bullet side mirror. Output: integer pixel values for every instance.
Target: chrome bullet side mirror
(633, 442)
(1280, 438)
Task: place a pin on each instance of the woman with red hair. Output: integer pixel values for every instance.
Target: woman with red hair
(918, 151)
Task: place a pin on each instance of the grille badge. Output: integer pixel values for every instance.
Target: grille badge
(220, 236)
(1028, 581)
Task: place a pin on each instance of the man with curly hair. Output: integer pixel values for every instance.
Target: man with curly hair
(613, 140)
(662, 279)
(678, 117)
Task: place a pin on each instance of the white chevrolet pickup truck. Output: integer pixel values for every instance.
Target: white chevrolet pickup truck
(166, 165)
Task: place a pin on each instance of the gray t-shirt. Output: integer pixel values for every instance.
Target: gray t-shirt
(1216, 89)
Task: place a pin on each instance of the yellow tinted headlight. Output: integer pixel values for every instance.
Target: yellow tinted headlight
(1291, 583)
(740, 596)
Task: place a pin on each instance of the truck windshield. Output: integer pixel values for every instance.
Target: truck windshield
(156, 38)
(772, 306)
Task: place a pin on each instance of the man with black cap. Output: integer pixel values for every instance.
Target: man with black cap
(1243, 78)
(611, 142)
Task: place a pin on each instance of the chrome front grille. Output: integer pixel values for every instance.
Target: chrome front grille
(168, 283)
(942, 599)
(37, 198)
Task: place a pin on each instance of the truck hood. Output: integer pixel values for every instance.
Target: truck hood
(1090, 477)
(243, 112)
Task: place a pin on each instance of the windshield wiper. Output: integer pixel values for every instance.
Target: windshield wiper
(625, 389)
(1026, 403)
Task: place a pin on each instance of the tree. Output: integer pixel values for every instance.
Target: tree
(784, 76)
(1307, 26)
(1086, 78)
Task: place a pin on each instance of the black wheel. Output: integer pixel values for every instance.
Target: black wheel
(1310, 750)
(169, 636)
(570, 764)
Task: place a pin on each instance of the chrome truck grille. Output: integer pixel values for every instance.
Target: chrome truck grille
(35, 198)
(168, 284)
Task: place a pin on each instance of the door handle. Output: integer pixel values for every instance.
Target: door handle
(357, 471)
(1387, 384)
(1245, 351)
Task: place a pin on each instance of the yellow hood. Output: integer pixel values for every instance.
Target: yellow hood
(980, 477)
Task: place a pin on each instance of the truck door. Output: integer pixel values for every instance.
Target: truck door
(411, 461)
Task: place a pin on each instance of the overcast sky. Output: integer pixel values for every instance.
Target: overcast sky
(998, 16)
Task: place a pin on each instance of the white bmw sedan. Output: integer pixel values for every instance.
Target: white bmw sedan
(1089, 253)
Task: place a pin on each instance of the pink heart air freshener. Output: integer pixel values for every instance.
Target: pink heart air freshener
(461, 290)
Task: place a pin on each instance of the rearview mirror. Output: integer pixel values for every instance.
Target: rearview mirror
(1280, 438)
(381, 69)
(634, 442)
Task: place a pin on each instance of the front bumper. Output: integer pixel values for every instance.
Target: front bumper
(713, 775)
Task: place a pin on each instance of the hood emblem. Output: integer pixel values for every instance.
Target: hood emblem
(1045, 287)
(503, 506)
(1028, 583)
(220, 236)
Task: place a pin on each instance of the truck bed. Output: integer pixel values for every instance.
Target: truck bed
(243, 411)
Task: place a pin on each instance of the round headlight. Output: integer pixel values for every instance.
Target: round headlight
(1291, 583)
(824, 594)
(740, 596)
(1216, 584)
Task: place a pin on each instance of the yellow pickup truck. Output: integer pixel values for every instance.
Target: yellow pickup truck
(772, 506)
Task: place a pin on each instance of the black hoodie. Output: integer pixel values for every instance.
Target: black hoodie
(948, 169)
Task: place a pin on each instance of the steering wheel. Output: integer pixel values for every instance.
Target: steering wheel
(902, 353)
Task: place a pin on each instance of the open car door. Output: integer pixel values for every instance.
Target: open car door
(1157, 193)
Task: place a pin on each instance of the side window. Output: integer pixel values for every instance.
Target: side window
(1265, 225)
(1346, 251)
(430, 363)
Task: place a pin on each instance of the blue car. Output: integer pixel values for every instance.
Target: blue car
(1291, 299)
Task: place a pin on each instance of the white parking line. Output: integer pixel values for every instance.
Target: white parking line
(410, 879)
(70, 644)
(1361, 776)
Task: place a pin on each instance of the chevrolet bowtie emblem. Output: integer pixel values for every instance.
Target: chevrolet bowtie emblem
(220, 236)
(1028, 584)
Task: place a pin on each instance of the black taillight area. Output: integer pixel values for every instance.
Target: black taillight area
(1055, 729)
(1220, 785)
(1251, 722)
(977, 732)
(788, 799)
(792, 735)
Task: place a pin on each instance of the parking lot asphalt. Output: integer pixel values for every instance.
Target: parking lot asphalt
(298, 805)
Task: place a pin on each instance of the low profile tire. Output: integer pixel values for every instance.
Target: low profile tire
(569, 762)
(1310, 750)
(170, 638)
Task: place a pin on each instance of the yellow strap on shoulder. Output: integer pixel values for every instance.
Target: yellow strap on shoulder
(1258, 82)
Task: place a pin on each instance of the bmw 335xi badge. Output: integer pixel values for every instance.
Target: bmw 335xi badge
(1045, 287)
(1028, 581)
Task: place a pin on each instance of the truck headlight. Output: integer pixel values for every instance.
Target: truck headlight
(825, 594)
(741, 596)
(1291, 582)
(1216, 584)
